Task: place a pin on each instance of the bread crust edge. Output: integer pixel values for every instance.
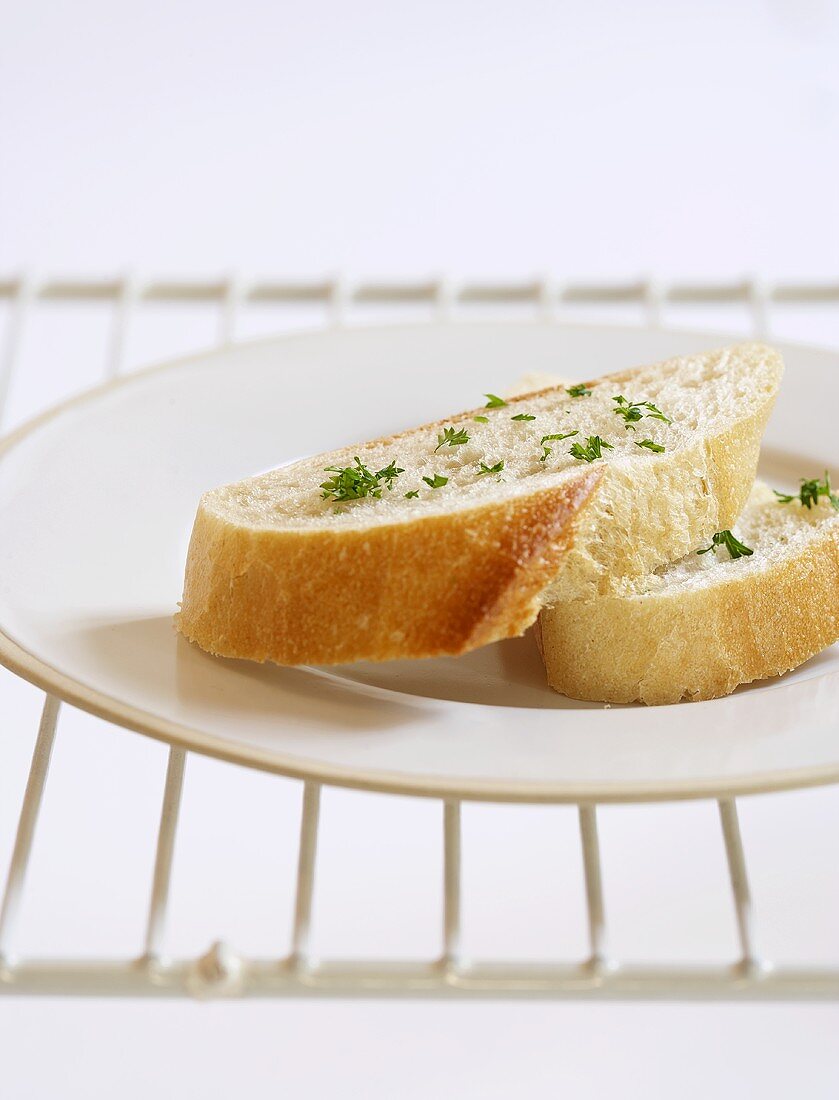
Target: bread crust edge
(696, 644)
(433, 586)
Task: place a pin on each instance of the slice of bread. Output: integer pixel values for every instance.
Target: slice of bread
(460, 547)
(702, 626)
(650, 515)
(439, 582)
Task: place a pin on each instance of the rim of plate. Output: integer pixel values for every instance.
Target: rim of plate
(43, 675)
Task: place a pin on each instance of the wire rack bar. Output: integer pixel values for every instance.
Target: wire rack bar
(451, 885)
(28, 820)
(231, 305)
(221, 971)
(341, 297)
(383, 292)
(738, 876)
(21, 295)
(125, 303)
(760, 310)
(307, 853)
(408, 979)
(495, 293)
(594, 885)
(167, 829)
(396, 293)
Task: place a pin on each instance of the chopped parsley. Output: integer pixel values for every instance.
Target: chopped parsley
(357, 481)
(390, 473)
(547, 451)
(650, 445)
(591, 450)
(495, 402)
(580, 390)
(413, 493)
(452, 437)
(496, 469)
(633, 411)
(735, 548)
(481, 419)
(810, 492)
(523, 416)
(436, 482)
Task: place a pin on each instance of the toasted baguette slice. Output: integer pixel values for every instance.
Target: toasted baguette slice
(649, 516)
(436, 582)
(701, 627)
(275, 572)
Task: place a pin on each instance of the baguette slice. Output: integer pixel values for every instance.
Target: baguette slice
(648, 516)
(275, 572)
(441, 582)
(704, 625)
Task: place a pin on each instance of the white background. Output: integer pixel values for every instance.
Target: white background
(589, 139)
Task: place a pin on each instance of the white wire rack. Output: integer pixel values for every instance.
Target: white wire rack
(221, 971)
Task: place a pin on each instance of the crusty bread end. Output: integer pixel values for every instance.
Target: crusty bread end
(707, 624)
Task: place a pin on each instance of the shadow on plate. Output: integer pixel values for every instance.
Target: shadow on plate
(505, 674)
(145, 663)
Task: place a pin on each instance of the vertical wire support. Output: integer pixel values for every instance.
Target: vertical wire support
(21, 302)
(172, 790)
(444, 298)
(339, 301)
(546, 294)
(234, 296)
(594, 886)
(124, 306)
(759, 303)
(306, 857)
(451, 884)
(28, 820)
(739, 881)
(653, 299)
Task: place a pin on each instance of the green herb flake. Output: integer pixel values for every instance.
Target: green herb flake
(481, 419)
(580, 390)
(633, 411)
(656, 448)
(735, 548)
(436, 482)
(546, 450)
(357, 481)
(413, 493)
(656, 413)
(495, 402)
(592, 449)
(452, 437)
(389, 474)
(523, 416)
(496, 469)
(810, 491)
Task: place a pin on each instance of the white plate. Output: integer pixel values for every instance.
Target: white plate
(96, 503)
